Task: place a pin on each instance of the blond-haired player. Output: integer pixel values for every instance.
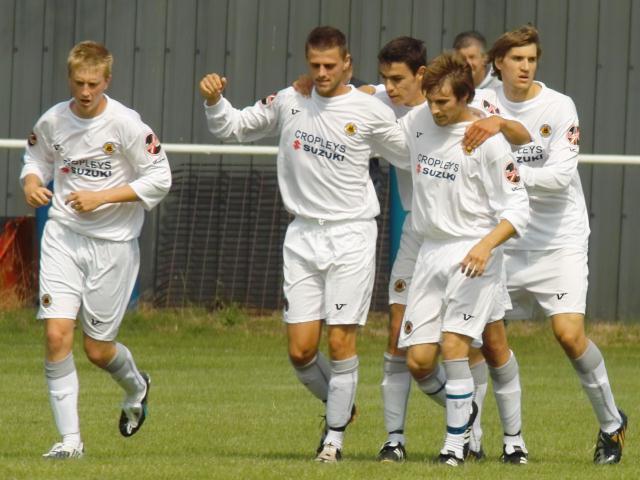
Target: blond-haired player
(107, 167)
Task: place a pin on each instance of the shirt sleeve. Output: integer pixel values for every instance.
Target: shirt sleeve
(148, 158)
(389, 141)
(38, 158)
(252, 123)
(562, 160)
(506, 192)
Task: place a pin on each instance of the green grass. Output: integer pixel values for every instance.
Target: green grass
(225, 404)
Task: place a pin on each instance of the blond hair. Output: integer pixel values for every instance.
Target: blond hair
(90, 54)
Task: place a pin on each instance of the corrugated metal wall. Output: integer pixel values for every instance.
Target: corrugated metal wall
(163, 47)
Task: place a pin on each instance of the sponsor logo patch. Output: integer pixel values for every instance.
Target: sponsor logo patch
(32, 139)
(408, 327)
(490, 107)
(268, 100)
(545, 130)
(152, 144)
(573, 135)
(511, 173)
(109, 148)
(400, 285)
(350, 129)
(46, 301)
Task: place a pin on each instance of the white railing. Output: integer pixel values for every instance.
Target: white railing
(201, 149)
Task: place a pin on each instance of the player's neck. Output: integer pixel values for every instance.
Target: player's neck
(518, 95)
(415, 101)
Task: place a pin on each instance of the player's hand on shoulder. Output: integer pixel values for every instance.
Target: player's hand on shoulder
(211, 87)
(83, 201)
(303, 85)
(479, 131)
(368, 89)
(37, 195)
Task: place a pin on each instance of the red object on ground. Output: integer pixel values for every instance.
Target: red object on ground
(18, 272)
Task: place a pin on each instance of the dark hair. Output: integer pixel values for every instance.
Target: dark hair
(324, 38)
(453, 67)
(407, 50)
(464, 39)
(523, 36)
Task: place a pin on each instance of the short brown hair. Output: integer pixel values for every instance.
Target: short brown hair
(90, 54)
(410, 51)
(453, 67)
(324, 38)
(521, 37)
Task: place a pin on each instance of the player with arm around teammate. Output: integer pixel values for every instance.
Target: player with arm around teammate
(465, 204)
(329, 248)
(402, 64)
(549, 263)
(106, 166)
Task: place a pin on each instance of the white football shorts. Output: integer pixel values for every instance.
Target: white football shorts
(443, 299)
(329, 268)
(557, 279)
(404, 264)
(86, 278)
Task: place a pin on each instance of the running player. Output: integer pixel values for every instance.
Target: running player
(329, 249)
(472, 46)
(107, 166)
(549, 263)
(402, 63)
(466, 202)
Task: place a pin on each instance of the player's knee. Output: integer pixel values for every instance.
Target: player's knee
(420, 366)
(97, 354)
(56, 341)
(301, 355)
(570, 339)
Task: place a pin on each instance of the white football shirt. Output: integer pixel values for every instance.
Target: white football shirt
(460, 195)
(110, 150)
(403, 177)
(549, 170)
(324, 148)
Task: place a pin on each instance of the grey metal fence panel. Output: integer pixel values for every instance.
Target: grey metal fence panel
(7, 24)
(427, 24)
(163, 47)
(26, 90)
(609, 133)
(628, 298)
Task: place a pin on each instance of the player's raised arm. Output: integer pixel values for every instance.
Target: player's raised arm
(211, 87)
(228, 123)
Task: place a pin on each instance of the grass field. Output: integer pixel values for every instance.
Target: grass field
(225, 404)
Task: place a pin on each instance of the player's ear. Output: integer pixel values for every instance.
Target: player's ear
(420, 72)
(347, 62)
(108, 81)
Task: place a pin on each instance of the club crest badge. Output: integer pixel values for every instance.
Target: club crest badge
(400, 285)
(109, 148)
(350, 129)
(32, 139)
(545, 130)
(45, 301)
(408, 327)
